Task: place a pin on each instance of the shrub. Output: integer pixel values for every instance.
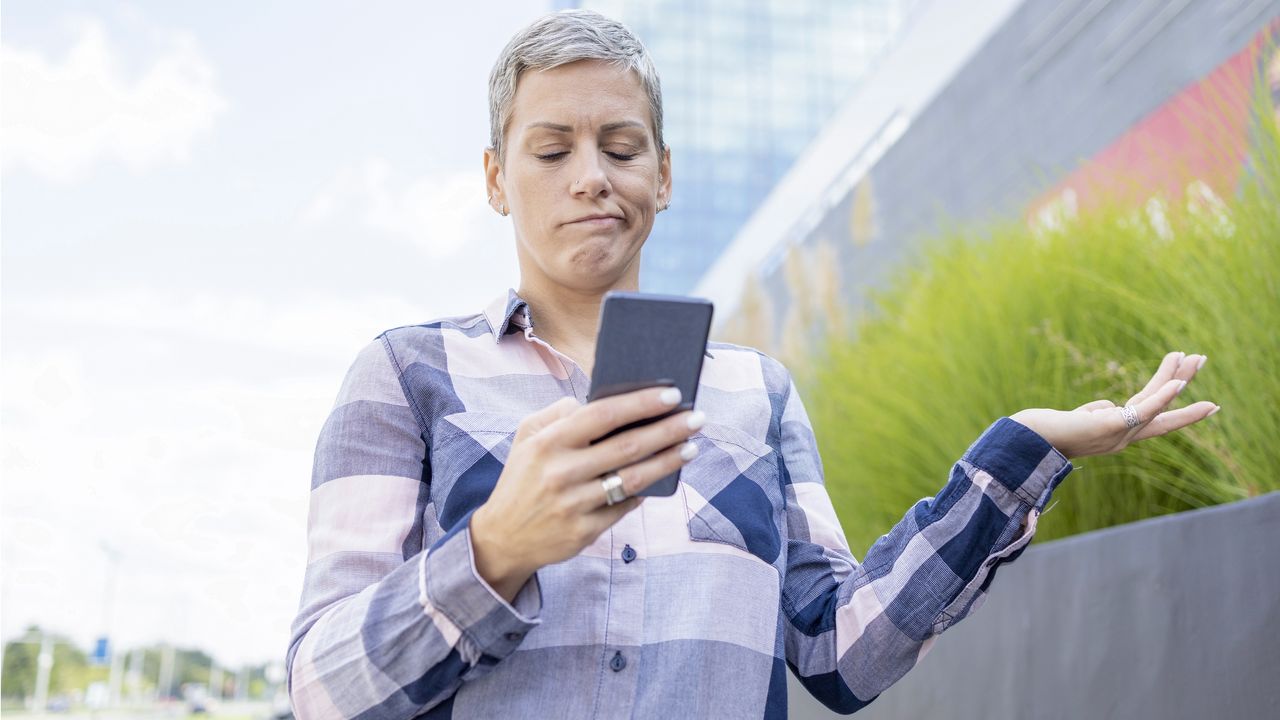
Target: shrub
(986, 323)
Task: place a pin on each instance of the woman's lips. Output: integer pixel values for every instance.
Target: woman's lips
(598, 222)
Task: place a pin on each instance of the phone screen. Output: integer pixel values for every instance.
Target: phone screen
(647, 339)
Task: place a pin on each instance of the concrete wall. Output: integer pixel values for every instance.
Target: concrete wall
(1174, 617)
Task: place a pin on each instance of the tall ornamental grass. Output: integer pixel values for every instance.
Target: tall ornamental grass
(984, 324)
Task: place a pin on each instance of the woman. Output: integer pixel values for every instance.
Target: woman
(466, 554)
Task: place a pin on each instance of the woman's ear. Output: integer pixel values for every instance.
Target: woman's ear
(664, 176)
(493, 180)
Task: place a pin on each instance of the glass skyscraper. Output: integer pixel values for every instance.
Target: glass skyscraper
(746, 85)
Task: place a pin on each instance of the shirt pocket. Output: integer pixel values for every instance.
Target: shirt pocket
(468, 453)
(732, 493)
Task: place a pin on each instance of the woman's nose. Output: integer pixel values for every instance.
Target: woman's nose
(591, 175)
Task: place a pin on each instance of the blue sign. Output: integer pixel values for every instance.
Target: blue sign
(101, 651)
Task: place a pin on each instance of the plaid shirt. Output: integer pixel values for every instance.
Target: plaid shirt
(693, 605)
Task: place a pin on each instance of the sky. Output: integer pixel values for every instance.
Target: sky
(206, 210)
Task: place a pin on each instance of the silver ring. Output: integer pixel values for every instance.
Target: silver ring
(613, 492)
(1130, 414)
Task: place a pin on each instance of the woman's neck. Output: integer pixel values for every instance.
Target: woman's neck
(567, 319)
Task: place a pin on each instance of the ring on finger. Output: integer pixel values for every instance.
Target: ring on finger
(1130, 415)
(613, 492)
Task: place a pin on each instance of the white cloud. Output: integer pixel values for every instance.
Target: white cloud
(62, 117)
(440, 214)
(134, 418)
(310, 325)
(179, 423)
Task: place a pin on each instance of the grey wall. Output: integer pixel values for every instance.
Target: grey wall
(1174, 617)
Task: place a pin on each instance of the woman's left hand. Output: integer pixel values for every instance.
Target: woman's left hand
(1098, 427)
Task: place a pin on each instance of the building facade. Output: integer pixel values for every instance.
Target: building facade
(746, 86)
(1024, 106)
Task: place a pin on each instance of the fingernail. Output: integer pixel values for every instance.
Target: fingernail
(1202, 359)
(1215, 409)
(1184, 384)
(670, 396)
(696, 418)
(689, 451)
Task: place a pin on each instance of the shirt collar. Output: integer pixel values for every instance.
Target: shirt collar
(509, 311)
(502, 310)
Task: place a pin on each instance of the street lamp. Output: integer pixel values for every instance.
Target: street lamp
(108, 608)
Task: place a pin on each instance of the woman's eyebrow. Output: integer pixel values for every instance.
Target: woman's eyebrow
(621, 124)
(549, 126)
(607, 127)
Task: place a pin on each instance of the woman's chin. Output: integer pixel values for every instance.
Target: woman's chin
(594, 267)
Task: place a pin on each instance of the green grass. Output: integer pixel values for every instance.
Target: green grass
(985, 323)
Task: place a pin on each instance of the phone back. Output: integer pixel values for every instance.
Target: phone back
(647, 339)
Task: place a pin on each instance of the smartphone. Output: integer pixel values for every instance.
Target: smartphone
(647, 339)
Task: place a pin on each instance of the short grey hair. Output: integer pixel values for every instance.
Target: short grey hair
(561, 38)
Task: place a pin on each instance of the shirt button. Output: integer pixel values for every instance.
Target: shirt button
(618, 662)
(628, 554)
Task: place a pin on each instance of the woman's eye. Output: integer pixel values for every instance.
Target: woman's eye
(615, 155)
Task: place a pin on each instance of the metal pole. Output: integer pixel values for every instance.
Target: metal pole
(242, 683)
(108, 614)
(136, 661)
(166, 673)
(115, 677)
(44, 665)
(215, 681)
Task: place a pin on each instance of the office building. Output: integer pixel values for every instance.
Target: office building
(746, 87)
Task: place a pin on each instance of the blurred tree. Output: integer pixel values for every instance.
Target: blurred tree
(70, 669)
(18, 678)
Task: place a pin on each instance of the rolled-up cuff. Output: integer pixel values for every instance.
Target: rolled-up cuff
(1019, 459)
(484, 617)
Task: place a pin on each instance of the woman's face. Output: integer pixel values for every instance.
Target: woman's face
(580, 144)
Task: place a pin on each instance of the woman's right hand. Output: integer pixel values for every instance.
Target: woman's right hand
(548, 503)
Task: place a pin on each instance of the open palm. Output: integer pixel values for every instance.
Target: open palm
(1099, 427)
